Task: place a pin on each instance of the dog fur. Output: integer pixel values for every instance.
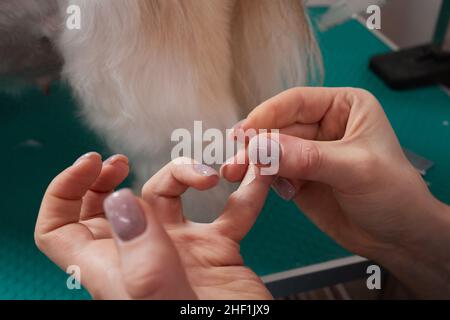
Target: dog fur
(143, 68)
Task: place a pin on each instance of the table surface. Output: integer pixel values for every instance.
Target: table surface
(40, 136)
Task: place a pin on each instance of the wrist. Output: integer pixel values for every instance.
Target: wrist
(423, 264)
(432, 241)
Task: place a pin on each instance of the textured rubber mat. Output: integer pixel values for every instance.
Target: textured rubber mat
(41, 135)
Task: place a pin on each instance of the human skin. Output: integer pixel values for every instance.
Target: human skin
(151, 251)
(342, 164)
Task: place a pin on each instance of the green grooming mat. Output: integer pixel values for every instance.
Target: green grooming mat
(40, 136)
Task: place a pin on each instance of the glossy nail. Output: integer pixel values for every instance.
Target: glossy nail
(204, 170)
(125, 215)
(116, 158)
(86, 156)
(284, 189)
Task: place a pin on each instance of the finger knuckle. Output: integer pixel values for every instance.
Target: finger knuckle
(42, 241)
(362, 94)
(309, 157)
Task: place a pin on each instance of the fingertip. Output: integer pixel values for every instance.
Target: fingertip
(89, 157)
(89, 164)
(111, 176)
(285, 189)
(234, 169)
(116, 166)
(233, 172)
(86, 166)
(121, 168)
(116, 159)
(206, 184)
(76, 180)
(208, 177)
(193, 174)
(204, 170)
(125, 214)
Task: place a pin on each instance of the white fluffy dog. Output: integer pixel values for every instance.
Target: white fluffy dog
(143, 68)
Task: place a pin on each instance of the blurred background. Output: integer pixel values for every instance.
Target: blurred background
(406, 22)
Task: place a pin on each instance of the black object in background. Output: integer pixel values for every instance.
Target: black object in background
(412, 68)
(419, 66)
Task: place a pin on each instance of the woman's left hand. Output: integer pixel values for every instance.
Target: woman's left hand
(151, 251)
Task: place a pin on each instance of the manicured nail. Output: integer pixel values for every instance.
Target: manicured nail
(260, 149)
(284, 189)
(116, 158)
(204, 170)
(125, 215)
(86, 156)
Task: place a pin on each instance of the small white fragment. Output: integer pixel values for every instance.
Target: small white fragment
(31, 143)
(445, 123)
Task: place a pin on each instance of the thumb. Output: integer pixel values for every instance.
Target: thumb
(333, 163)
(150, 264)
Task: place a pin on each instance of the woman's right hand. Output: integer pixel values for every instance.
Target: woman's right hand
(343, 165)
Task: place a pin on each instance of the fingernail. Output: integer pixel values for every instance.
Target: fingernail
(260, 149)
(125, 215)
(86, 156)
(116, 158)
(284, 189)
(204, 170)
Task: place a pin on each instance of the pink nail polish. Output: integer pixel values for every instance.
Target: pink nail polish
(113, 159)
(86, 156)
(125, 215)
(204, 170)
(284, 189)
